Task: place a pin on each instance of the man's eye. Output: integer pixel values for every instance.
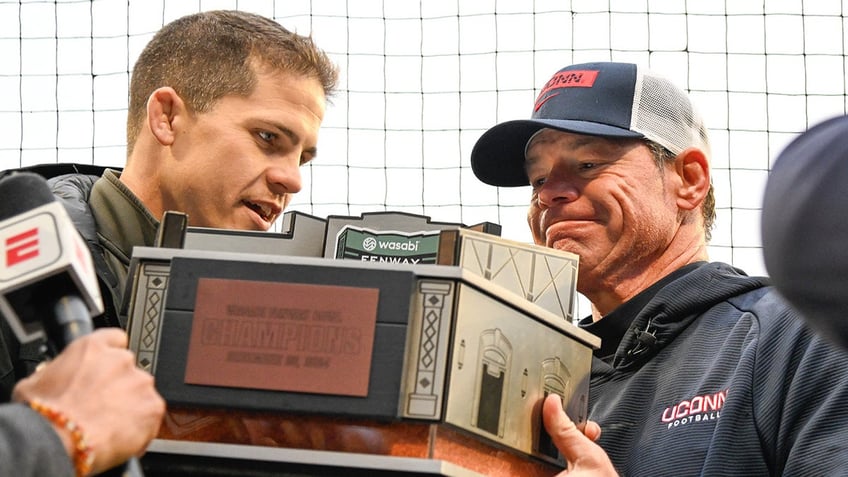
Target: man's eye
(587, 165)
(538, 182)
(267, 136)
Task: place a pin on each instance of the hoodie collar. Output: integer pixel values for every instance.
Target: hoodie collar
(612, 327)
(674, 305)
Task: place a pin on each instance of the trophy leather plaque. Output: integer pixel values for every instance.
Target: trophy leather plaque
(243, 335)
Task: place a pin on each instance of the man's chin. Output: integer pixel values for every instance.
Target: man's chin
(252, 221)
(564, 245)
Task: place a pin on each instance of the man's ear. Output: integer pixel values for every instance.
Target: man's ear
(163, 106)
(693, 168)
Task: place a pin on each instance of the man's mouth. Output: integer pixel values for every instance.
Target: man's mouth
(264, 211)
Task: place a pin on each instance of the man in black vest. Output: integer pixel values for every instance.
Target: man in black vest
(224, 109)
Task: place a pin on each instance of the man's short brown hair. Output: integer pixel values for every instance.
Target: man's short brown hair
(208, 55)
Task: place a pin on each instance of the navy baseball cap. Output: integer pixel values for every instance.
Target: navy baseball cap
(609, 99)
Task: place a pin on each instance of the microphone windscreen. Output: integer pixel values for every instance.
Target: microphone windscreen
(805, 226)
(21, 192)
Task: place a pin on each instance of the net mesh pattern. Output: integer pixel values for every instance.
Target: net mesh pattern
(421, 81)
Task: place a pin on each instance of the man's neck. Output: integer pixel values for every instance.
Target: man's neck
(617, 289)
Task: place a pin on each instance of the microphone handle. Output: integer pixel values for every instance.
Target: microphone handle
(74, 321)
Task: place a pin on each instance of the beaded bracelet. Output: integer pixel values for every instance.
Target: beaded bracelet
(83, 454)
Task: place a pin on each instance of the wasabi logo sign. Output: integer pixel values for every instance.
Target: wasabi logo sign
(393, 247)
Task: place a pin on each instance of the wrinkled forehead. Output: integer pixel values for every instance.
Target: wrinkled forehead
(548, 136)
(542, 136)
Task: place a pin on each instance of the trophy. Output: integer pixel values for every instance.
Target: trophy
(310, 365)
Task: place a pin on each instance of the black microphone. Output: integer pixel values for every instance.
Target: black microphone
(45, 265)
(48, 286)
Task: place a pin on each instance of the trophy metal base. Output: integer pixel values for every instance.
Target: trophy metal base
(184, 459)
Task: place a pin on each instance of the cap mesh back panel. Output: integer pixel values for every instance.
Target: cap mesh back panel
(664, 115)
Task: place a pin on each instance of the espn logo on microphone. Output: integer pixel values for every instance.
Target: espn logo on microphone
(22, 247)
(28, 245)
(40, 250)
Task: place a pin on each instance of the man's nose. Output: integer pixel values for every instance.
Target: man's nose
(284, 177)
(557, 190)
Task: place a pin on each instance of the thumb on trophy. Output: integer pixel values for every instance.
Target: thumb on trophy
(579, 449)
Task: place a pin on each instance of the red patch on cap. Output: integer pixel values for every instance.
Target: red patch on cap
(566, 79)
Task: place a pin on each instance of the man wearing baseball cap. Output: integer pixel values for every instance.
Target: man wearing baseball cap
(702, 370)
